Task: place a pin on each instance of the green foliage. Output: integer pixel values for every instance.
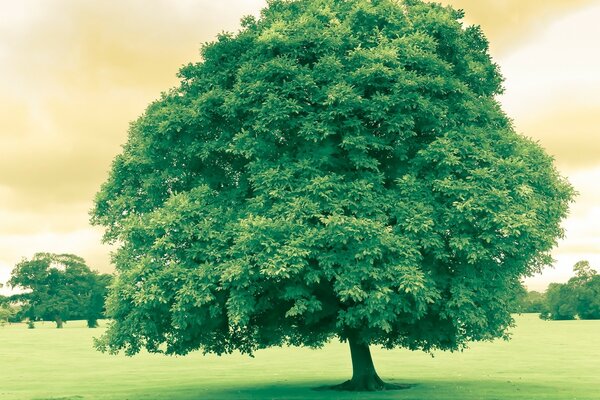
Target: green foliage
(533, 302)
(7, 313)
(59, 287)
(517, 299)
(524, 301)
(583, 273)
(588, 306)
(96, 307)
(586, 283)
(335, 168)
(580, 297)
(561, 302)
(96, 287)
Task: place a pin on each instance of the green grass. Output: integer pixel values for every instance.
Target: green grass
(545, 360)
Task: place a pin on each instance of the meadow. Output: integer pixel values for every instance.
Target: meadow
(544, 360)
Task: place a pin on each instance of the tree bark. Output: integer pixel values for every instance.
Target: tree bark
(59, 322)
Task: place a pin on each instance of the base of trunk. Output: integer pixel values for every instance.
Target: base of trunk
(92, 323)
(364, 376)
(371, 383)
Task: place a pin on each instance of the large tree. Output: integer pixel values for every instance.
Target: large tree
(338, 168)
(58, 287)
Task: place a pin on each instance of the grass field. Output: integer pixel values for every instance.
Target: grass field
(545, 360)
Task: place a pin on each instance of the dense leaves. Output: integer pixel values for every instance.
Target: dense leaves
(59, 287)
(578, 298)
(528, 301)
(336, 168)
(7, 312)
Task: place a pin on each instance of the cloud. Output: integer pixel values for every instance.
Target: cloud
(506, 22)
(75, 73)
(582, 233)
(570, 134)
(562, 270)
(553, 88)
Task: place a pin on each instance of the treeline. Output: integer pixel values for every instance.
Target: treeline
(55, 287)
(579, 298)
(61, 287)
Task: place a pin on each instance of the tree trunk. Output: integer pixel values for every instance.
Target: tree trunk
(59, 322)
(92, 323)
(364, 376)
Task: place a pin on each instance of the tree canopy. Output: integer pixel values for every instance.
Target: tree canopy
(578, 298)
(59, 287)
(529, 302)
(338, 168)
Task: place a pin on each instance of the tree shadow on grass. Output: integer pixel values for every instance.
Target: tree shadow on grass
(422, 390)
(296, 390)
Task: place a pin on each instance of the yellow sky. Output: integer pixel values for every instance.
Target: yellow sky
(73, 73)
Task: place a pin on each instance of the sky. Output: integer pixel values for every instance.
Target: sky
(74, 73)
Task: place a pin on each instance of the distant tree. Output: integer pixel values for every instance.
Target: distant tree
(528, 301)
(586, 283)
(516, 302)
(95, 308)
(561, 302)
(17, 316)
(533, 302)
(57, 286)
(3, 299)
(337, 169)
(579, 297)
(583, 273)
(588, 304)
(7, 312)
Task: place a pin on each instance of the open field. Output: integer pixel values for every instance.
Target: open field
(545, 360)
